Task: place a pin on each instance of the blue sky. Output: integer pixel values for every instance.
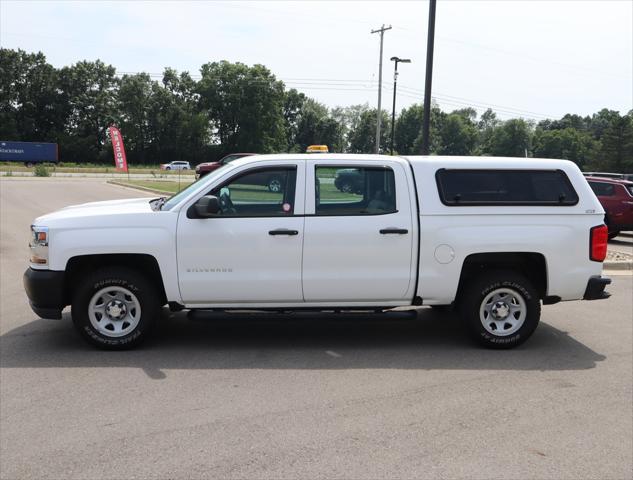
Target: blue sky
(534, 58)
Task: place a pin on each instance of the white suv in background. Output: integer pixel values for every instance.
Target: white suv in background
(178, 165)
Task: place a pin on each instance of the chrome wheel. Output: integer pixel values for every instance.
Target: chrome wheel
(502, 312)
(114, 311)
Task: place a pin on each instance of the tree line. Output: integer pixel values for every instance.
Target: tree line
(234, 107)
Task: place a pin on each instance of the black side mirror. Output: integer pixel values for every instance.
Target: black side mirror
(207, 206)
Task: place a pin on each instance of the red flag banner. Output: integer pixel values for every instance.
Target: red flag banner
(120, 161)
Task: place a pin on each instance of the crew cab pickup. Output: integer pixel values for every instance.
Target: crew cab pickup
(493, 237)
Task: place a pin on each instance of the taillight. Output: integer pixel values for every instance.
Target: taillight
(598, 238)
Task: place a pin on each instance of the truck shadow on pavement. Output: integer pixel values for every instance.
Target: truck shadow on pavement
(429, 341)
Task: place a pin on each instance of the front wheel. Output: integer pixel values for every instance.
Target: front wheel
(114, 308)
(274, 185)
(501, 309)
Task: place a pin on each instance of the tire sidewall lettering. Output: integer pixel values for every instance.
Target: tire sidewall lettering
(124, 277)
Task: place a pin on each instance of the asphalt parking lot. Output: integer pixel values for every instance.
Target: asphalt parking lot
(306, 396)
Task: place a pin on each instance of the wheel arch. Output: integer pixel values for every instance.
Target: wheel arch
(77, 267)
(532, 265)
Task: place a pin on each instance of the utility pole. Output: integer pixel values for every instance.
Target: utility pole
(382, 31)
(395, 85)
(429, 77)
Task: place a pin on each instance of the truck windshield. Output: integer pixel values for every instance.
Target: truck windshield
(174, 200)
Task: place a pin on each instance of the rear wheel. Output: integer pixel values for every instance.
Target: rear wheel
(114, 308)
(501, 309)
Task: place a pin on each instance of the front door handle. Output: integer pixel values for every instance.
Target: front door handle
(397, 231)
(283, 231)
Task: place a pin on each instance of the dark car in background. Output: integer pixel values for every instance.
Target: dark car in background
(349, 180)
(616, 197)
(203, 168)
(272, 180)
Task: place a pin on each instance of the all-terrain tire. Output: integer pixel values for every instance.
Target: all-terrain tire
(500, 308)
(114, 308)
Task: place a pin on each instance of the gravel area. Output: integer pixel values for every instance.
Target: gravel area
(613, 256)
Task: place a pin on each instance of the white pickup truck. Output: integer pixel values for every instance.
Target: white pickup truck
(493, 237)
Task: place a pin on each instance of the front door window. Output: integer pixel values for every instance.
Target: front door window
(268, 192)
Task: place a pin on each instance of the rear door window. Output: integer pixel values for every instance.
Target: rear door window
(466, 187)
(354, 190)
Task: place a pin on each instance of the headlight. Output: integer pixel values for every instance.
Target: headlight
(39, 245)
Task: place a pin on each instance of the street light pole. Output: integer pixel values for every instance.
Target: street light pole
(429, 77)
(396, 60)
(382, 31)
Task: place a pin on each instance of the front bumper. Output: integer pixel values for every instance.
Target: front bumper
(595, 288)
(45, 289)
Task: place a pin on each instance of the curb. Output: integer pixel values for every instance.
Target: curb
(138, 187)
(628, 265)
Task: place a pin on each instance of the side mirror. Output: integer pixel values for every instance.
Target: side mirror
(207, 206)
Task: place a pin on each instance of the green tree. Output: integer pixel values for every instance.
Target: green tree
(89, 91)
(511, 139)
(601, 120)
(435, 127)
(573, 121)
(293, 106)
(362, 138)
(348, 119)
(315, 126)
(31, 107)
(244, 106)
(486, 126)
(408, 128)
(617, 145)
(568, 143)
(458, 135)
(179, 131)
(468, 114)
(134, 102)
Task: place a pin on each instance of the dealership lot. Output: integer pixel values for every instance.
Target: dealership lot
(288, 396)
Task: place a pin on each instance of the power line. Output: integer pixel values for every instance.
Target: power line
(358, 85)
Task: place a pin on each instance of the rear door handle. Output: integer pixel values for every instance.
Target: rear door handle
(397, 231)
(283, 231)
